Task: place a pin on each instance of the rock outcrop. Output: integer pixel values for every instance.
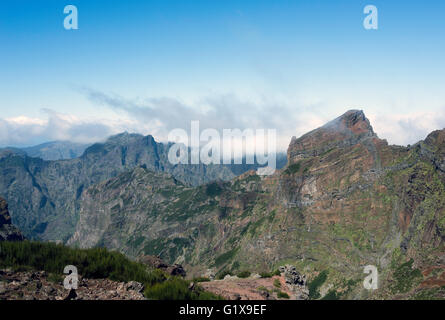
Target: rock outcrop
(8, 232)
(154, 262)
(345, 131)
(295, 281)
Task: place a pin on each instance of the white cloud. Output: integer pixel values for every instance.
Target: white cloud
(409, 128)
(158, 116)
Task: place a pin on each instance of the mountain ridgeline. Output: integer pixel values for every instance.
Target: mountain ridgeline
(44, 195)
(344, 200)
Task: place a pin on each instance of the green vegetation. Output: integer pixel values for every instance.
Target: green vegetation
(177, 289)
(266, 274)
(293, 168)
(201, 279)
(221, 274)
(331, 295)
(270, 274)
(282, 295)
(96, 263)
(277, 283)
(316, 283)
(263, 288)
(213, 189)
(225, 257)
(405, 277)
(244, 274)
(91, 263)
(430, 294)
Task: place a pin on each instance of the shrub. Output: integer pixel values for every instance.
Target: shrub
(263, 288)
(266, 274)
(201, 279)
(244, 274)
(277, 283)
(177, 289)
(282, 295)
(220, 275)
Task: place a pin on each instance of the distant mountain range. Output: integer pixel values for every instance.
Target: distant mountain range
(55, 150)
(43, 194)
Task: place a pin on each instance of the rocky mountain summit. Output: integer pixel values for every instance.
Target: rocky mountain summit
(8, 232)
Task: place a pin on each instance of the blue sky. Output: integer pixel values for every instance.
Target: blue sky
(136, 65)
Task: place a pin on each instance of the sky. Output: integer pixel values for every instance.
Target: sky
(153, 66)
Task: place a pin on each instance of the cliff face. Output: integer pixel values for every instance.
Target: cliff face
(346, 199)
(8, 232)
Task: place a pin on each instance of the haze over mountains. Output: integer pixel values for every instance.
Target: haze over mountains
(344, 200)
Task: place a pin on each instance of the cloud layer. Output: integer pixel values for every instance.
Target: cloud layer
(158, 116)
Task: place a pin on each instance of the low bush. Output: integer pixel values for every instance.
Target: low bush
(277, 283)
(244, 274)
(282, 295)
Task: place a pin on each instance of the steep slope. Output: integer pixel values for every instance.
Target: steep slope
(346, 199)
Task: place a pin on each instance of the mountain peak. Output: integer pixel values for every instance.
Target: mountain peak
(352, 120)
(349, 129)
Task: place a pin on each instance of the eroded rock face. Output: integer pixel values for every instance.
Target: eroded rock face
(8, 232)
